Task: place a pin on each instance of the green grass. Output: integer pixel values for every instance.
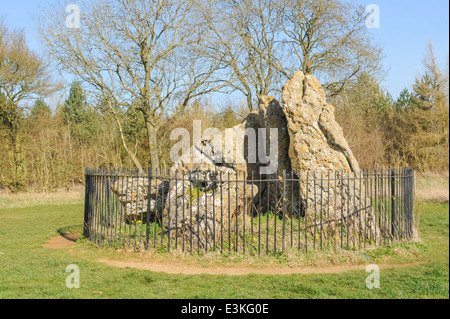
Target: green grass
(27, 270)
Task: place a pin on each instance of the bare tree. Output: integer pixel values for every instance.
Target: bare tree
(242, 39)
(264, 42)
(135, 54)
(327, 38)
(23, 75)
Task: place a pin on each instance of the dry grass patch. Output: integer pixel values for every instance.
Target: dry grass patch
(21, 200)
(432, 187)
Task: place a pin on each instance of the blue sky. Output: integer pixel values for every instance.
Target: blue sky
(405, 27)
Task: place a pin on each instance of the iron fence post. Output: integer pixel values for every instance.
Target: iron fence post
(393, 206)
(86, 203)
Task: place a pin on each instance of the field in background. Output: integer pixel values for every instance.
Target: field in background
(432, 187)
(429, 187)
(20, 200)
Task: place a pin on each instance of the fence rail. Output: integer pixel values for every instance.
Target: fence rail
(194, 212)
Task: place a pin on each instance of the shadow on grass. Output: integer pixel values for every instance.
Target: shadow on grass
(73, 232)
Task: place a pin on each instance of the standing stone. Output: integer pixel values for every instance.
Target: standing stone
(317, 147)
(205, 198)
(208, 189)
(224, 177)
(316, 140)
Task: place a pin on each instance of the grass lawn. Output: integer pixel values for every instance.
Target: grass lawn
(27, 270)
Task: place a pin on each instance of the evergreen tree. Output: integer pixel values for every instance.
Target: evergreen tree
(79, 115)
(75, 106)
(422, 132)
(404, 100)
(40, 109)
(427, 93)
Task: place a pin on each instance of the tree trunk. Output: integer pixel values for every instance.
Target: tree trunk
(153, 144)
(16, 184)
(250, 101)
(122, 137)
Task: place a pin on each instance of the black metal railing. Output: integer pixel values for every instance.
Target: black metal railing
(223, 212)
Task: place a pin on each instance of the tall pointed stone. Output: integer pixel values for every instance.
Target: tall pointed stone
(317, 141)
(334, 194)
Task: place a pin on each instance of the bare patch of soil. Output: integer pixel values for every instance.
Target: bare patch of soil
(60, 242)
(189, 269)
(180, 267)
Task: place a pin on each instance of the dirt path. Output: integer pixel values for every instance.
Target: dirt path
(178, 267)
(59, 242)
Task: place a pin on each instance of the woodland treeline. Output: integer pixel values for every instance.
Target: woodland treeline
(139, 69)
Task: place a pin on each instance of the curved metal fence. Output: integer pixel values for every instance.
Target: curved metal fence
(198, 212)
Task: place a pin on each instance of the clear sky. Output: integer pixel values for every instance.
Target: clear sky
(405, 27)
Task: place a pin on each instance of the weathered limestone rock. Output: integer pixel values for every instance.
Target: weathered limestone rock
(271, 116)
(316, 140)
(196, 215)
(317, 145)
(132, 193)
(208, 188)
